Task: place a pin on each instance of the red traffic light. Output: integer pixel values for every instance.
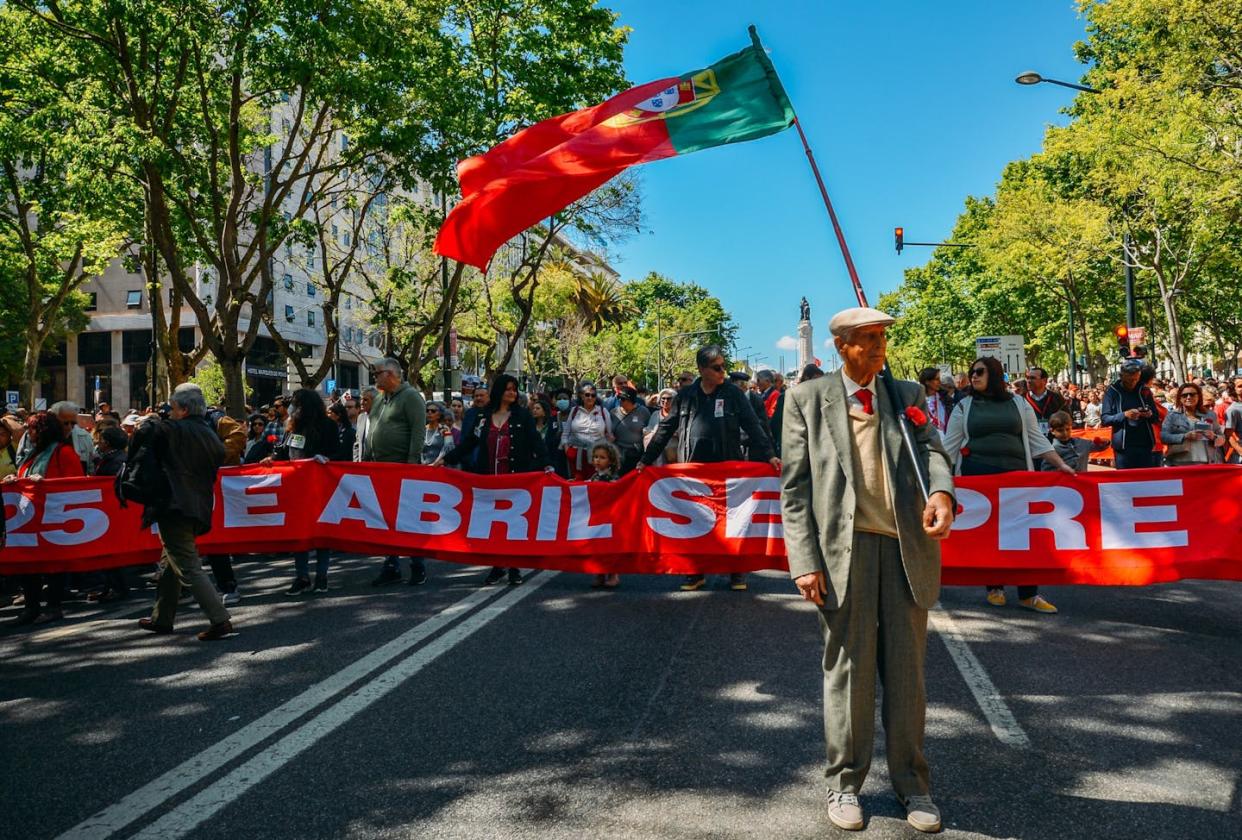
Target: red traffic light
(899, 234)
(1122, 332)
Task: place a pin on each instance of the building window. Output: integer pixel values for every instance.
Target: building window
(289, 313)
(271, 298)
(349, 301)
(310, 317)
(133, 299)
(310, 288)
(310, 259)
(336, 232)
(92, 301)
(288, 282)
(344, 142)
(345, 239)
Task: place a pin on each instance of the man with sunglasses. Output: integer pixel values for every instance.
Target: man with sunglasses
(710, 415)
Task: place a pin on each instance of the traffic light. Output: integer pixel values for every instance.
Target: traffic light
(899, 234)
(1123, 339)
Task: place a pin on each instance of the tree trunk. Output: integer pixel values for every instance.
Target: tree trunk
(30, 368)
(234, 386)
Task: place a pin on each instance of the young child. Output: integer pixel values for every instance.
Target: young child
(606, 459)
(1073, 451)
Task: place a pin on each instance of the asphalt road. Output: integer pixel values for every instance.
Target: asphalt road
(553, 711)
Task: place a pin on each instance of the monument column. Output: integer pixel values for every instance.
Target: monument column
(806, 343)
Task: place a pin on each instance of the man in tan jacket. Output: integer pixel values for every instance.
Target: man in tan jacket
(862, 545)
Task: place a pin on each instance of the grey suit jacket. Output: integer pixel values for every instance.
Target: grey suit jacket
(817, 486)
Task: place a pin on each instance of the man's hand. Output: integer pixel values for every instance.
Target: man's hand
(266, 462)
(320, 459)
(639, 467)
(813, 587)
(776, 463)
(938, 516)
(1132, 413)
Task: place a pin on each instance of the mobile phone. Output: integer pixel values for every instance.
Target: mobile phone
(1201, 426)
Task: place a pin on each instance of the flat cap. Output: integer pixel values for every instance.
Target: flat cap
(858, 316)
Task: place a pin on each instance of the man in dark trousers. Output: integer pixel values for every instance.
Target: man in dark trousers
(862, 545)
(190, 454)
(711, 413)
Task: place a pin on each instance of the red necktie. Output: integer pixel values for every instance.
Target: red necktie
(864, 396)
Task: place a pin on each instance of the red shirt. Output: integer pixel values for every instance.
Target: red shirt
(64, 464)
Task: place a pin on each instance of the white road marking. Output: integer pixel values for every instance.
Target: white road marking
(154, 794)
(215, 797)
(1004, 724)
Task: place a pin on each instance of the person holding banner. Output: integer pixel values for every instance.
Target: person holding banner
(51, 455)
(863, 546)
(506, 441)
(994, 432)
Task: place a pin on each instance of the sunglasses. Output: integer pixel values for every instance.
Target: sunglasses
(1189, 394)
(586, 394)
(717, 368)
(979, 372)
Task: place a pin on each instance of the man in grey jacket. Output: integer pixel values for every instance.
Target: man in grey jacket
(862, 546)
(397, 426)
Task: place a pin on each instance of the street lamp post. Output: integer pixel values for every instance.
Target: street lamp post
(1030, 77)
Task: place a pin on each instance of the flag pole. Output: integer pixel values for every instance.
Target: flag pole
(886, 375)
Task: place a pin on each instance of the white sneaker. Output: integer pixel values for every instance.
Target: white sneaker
(231, 599)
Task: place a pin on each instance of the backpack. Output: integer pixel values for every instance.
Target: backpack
(143, 479)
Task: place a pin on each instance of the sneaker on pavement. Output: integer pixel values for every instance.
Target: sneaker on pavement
(231, 598)
(321, 583)
(515, 577)
(26, 616)
(921, 813)
(1037, 604)
(216, 632)
(300, 586)
(418, 576)
(496, 575)
(845, 810)
(387, 576)
(996, 597)
(738, 583)
(48, 616)
(694, 583)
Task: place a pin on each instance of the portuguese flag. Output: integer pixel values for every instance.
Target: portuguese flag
(546, 167)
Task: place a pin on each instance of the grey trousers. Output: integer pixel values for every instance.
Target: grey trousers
(878, 629)
(180, 566)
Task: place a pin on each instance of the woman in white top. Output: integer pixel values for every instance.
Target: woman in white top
(587, 425)
(991, 432)
(664, 402)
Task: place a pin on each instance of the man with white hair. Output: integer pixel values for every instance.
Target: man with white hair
(397, 425)
(83, 444)
(190, 453)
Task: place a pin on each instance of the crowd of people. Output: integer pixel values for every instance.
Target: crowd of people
(989, 423)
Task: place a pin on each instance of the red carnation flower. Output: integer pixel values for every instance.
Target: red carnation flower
(915, 416)
(271, 438)
(965, 451)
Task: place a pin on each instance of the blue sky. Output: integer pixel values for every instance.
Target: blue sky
(909, 107)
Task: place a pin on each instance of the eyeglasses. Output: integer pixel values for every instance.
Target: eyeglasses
(586, 394)
(1190, 394)
(717, 368)
(979, 372)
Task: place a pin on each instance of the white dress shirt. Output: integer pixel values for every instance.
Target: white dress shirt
(852, 388)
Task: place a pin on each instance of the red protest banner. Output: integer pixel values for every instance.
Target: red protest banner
(1131, 528)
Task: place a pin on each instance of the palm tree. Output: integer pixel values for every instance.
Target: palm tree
(601, 301)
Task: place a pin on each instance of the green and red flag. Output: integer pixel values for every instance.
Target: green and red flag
(546, 167)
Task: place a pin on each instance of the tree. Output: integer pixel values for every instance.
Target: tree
(60, 223)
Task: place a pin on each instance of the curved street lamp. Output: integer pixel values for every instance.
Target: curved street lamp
(1030, 77)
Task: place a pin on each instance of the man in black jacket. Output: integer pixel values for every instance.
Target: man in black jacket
(711, 414)
(190, 453)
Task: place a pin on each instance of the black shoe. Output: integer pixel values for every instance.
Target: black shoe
(49, 615)
(694, 583)
(515, 577)
(387, 576)
(418, 575)
(494, 576)
(300, 586)
(321, 583)
(25, 617)
(151, 626)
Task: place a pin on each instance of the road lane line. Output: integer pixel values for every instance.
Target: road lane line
(155, 793)
(215, 797)
(1004, 724)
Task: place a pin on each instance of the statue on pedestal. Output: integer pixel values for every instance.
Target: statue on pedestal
(805, 310)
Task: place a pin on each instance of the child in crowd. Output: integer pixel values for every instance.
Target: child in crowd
(606, 459)
(1073, 451)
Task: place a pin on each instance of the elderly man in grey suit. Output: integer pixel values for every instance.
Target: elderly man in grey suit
(862, 546)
